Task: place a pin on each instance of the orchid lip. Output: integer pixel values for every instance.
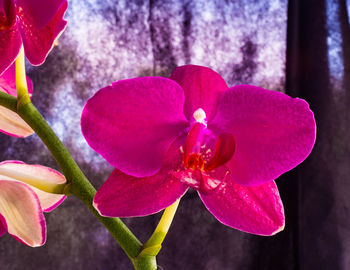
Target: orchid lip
(201, 181)
(196, 154)
(203, 153)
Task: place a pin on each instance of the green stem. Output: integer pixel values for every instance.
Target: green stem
(145, 262)
(8, 101)
(79, 185)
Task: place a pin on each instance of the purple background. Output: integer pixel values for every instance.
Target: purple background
(301, 49)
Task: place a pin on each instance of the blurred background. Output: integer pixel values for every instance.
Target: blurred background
(300, 47)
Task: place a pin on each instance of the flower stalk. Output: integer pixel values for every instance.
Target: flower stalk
(78, 184)
(154, 243)
(8, 101)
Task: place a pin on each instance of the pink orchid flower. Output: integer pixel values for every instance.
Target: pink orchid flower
(22, 204)
(34, 23)
(166, 135)
(10, 122)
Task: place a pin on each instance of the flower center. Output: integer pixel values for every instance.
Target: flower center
(195, 161)
(203, 154)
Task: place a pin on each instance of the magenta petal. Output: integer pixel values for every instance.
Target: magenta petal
(41, 11)
(133, 123)
(273, 132)
(10, 44)
(202, 86)
(127, 196)
(10, 39)
(254, 209)
(38, 42)
(8, 82)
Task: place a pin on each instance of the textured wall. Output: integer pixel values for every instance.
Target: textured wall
(245, 41)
